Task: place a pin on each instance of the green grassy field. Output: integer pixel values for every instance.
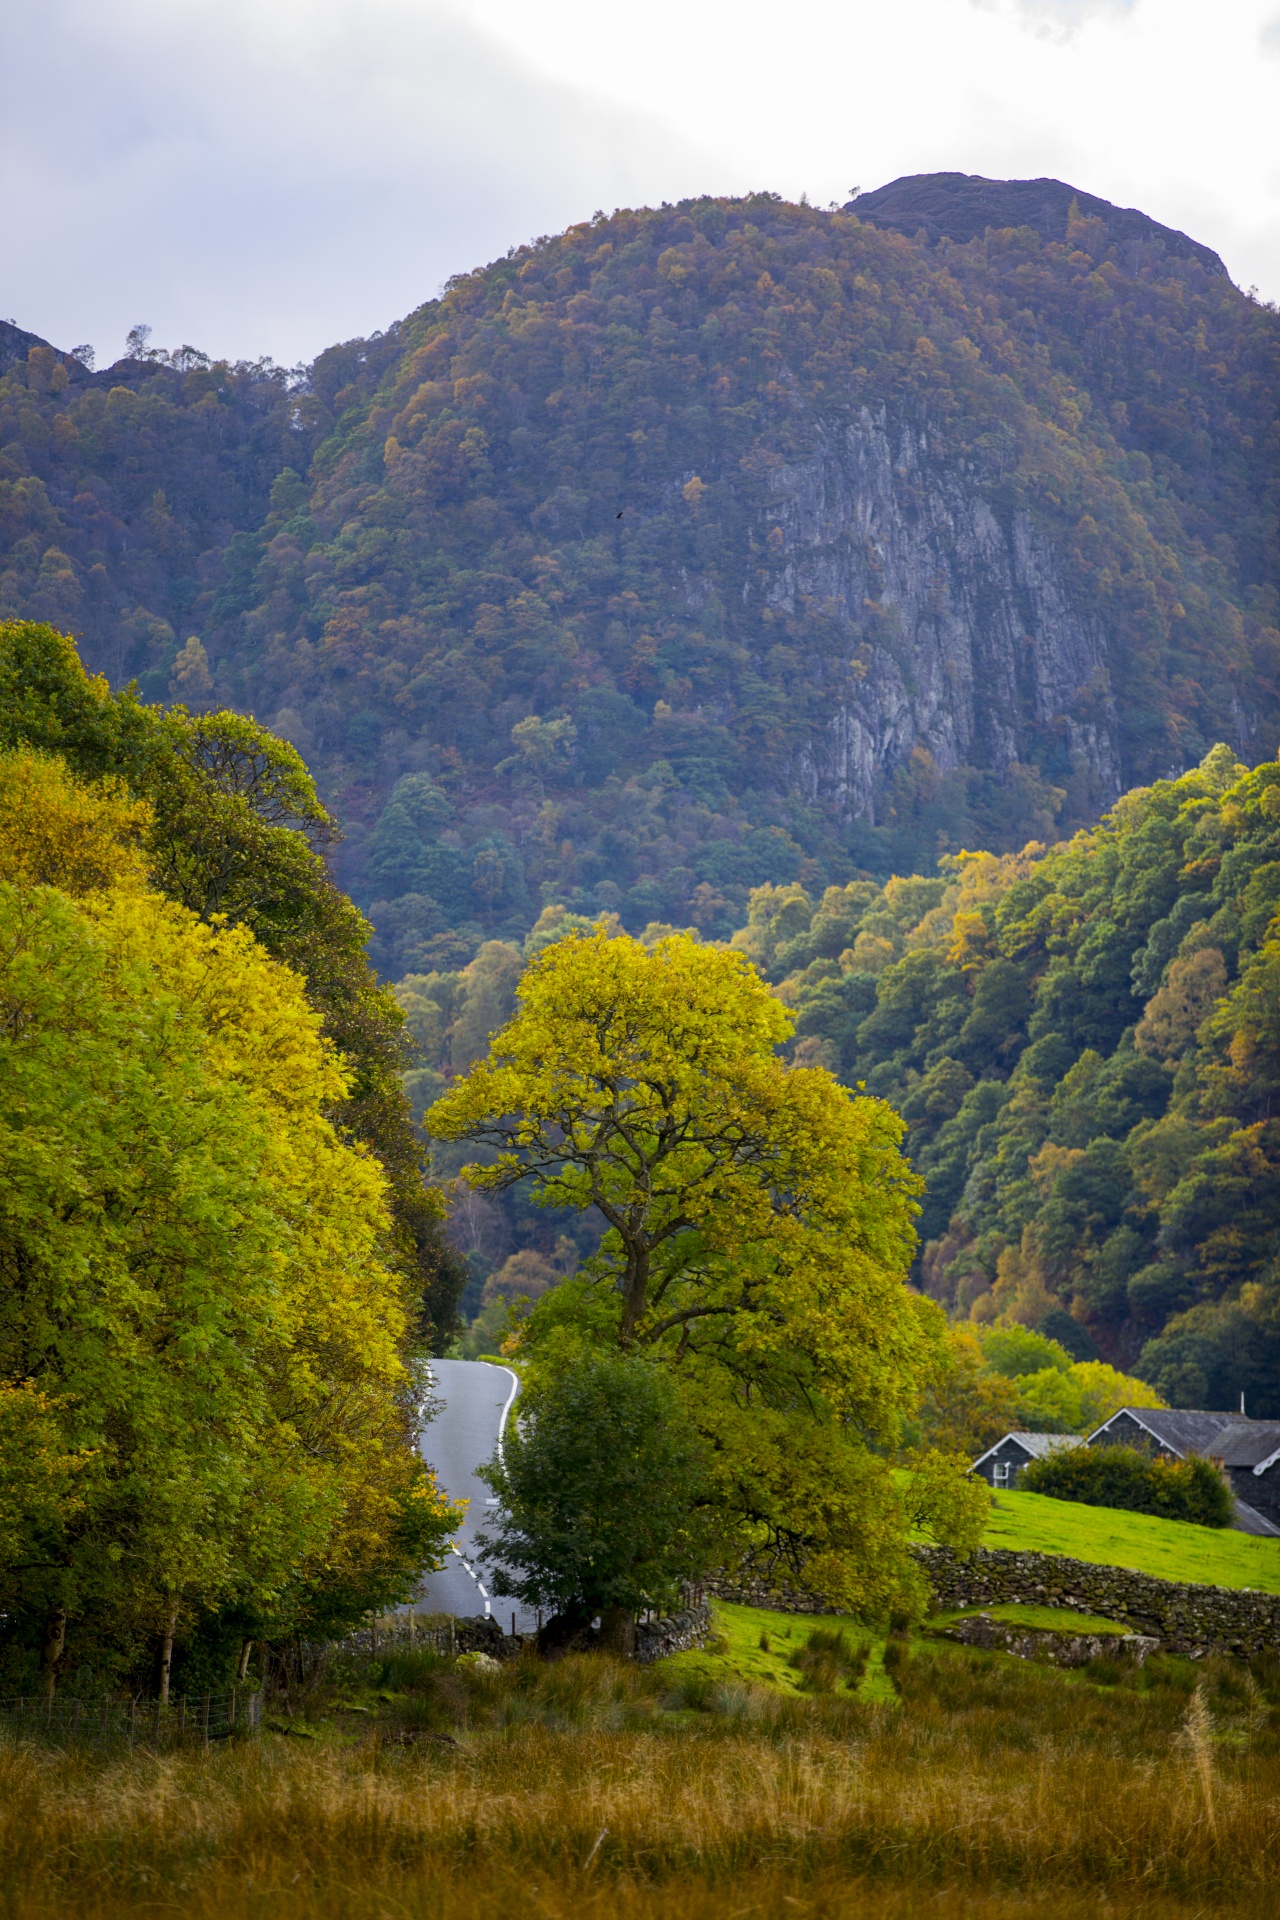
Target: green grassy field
(1052, 1619)
(755, 1646)
(1170, 1549)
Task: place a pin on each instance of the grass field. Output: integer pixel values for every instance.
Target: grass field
(1171, 1549)
(977, 1788)
(1050, 1619)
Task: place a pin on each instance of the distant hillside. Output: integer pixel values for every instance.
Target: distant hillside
(1084, 1042)
(695, 548)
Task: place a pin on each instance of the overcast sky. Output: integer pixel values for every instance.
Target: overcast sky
(269, 176)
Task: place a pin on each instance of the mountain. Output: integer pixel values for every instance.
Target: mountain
(696, 548)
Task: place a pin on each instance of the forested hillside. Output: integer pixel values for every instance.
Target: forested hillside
(696, 548)
(1085, 1043)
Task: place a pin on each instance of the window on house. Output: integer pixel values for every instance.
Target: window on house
(1000, 1478)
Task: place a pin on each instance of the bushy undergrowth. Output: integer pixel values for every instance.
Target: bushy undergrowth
(1192, 1489)
(991, 1788)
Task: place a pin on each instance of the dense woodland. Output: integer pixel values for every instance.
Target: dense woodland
(1085, 1043)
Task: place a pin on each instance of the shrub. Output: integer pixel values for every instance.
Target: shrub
(1193, 1489)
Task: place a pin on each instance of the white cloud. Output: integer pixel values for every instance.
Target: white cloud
(1062, 18)
(271, 175)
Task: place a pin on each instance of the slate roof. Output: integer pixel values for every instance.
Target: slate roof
(1248, 1444)
(1249, 1520)
(1183, 1432)
(1036, 1444)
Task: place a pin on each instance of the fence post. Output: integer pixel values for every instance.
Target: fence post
(206, 1719)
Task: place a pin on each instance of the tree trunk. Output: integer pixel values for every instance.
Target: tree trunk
(618, 1631)
(635, 1290)
(55, 1645)
(165, 1663)
(242, 1671)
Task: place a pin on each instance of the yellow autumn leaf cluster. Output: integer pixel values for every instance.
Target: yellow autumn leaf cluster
(195, 1295)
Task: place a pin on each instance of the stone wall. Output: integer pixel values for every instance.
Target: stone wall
(678, 1633)
(1046, 1643)
(746, 1592)
(1186, 1619)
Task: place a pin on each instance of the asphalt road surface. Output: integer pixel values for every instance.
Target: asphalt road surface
(472, 1400)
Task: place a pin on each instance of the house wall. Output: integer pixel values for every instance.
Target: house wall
(1009, 1453)
(1124, 1431)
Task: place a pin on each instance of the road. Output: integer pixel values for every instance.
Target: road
(472, 1401)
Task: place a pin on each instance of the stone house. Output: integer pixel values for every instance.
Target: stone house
(1002, 1464)
(1248, 1451)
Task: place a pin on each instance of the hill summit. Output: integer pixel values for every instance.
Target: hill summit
(966, 206)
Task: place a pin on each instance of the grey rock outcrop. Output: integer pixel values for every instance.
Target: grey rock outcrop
(970, 644)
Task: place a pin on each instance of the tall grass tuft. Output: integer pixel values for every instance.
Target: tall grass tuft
(1199, 1733)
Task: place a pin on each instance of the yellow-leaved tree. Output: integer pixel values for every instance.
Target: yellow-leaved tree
(200, 1334)
(759, 1231)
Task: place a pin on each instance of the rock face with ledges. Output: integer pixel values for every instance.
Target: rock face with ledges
(979, 647)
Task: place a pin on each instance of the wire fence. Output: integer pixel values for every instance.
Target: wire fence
(189, 1718)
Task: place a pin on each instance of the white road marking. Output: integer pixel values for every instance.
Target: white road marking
(502, 1424)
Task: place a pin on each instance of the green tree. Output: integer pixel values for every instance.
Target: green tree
(759, 1231)
(237, 830)
(599, 1480)
(199, 1326)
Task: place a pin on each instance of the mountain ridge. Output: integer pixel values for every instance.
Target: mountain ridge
(694, 548)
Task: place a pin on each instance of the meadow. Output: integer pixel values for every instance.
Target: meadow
(930, 1778)
(1170, 1549)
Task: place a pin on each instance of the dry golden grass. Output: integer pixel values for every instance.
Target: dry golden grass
(992, 1791)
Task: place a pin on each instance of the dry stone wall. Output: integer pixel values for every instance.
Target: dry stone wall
(1184, 1617)
(1059, 1649)
(677, 1633)
(1188, 1619)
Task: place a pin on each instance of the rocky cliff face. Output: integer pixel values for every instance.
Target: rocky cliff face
(972, 647)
